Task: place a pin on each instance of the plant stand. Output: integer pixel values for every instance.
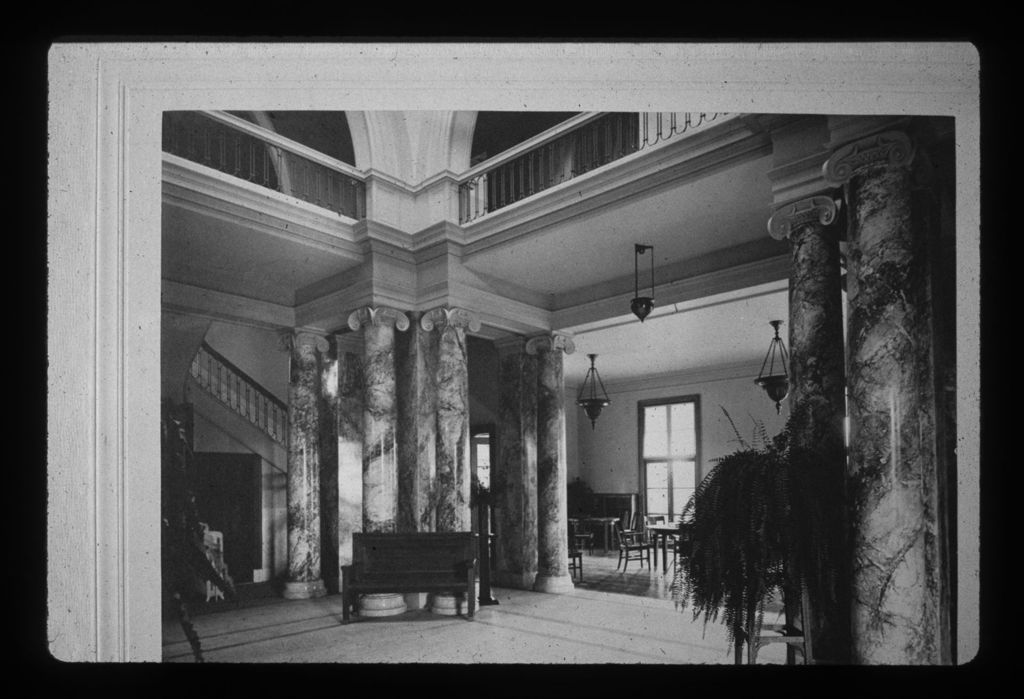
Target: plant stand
(786, 633)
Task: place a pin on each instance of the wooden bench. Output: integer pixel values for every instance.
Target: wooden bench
(413, 562)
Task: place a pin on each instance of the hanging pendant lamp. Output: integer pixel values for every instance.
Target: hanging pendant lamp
(588, 397)
(776, 385)
(641, 305)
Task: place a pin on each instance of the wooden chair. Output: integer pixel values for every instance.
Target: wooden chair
(632, 547)
(651, 519)
(683, 545)
(583, 536)
(575, 552)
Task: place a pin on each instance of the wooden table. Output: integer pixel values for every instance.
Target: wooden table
(663, 532)
(606, 522)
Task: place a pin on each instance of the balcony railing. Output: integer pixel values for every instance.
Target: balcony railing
(235, 147)
(552, 158)
(236, 390)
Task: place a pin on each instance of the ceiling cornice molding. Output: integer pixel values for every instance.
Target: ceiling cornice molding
(742, 276)
(441, 238)
(206, 191)
(722, 372)
(218, 305)
(372, 235)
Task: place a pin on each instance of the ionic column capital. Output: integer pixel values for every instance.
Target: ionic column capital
(788, 218)
(298, 339)
(548, 343)
(892, 147)
(378, 316)
(443, 317)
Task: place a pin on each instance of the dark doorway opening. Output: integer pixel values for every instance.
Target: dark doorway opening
(228, 494)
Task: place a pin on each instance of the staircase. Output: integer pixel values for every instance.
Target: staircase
(240, 393)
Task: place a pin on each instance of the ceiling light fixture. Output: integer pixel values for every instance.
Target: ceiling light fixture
(641, 305)
(588, 399)
(775, 385)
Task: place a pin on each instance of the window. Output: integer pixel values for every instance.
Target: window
(669, 452)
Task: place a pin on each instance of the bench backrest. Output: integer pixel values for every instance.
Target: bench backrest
(425, 556)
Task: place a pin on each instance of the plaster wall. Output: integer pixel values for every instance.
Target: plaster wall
(607, 456)
(256, 351)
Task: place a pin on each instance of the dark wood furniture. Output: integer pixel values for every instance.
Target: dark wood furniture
(632, 547)
(614, 504)
(606, 524)
(662, 532)
(575, 551)
(581, 535)
(793, 636)
(411, 562)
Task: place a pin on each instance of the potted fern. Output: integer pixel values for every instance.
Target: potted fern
(763, 523)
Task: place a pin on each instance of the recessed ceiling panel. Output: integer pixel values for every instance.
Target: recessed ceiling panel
(724, 333)
(216, 254)
(688, 220)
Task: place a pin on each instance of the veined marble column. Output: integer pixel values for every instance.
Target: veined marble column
(552, 511)
(380, 462)
(898, 570)
(514, 476)
(453, 476)
(416, 362)
(817, 380)
(350, 442)
(328, 406)
(452, 428)
(304, 579)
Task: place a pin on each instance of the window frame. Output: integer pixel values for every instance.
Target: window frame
(642, 405)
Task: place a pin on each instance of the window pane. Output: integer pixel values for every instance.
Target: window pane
(656, 431)
(657, 501)
(684, 438)
(684, 474)
(680, 496)
(657, 474)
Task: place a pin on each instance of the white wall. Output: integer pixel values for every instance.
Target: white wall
(256, 351)
(608, 455)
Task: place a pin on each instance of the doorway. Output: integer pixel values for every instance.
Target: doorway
(228, 496)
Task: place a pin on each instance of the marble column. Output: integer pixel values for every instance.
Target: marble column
(452, 428)
(304, 576)
(380, 462)
(328, 407)
(416, 362)
(817, 383)
(552, 511)
(514, 475)
(350, 442)
(897, 566)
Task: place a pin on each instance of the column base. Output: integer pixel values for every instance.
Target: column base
(447, 604)
(556, 584)
(388, 604)
(516, 581)
(416, 600)
(303, 589)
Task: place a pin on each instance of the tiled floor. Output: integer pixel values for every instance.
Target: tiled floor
(611, 617)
